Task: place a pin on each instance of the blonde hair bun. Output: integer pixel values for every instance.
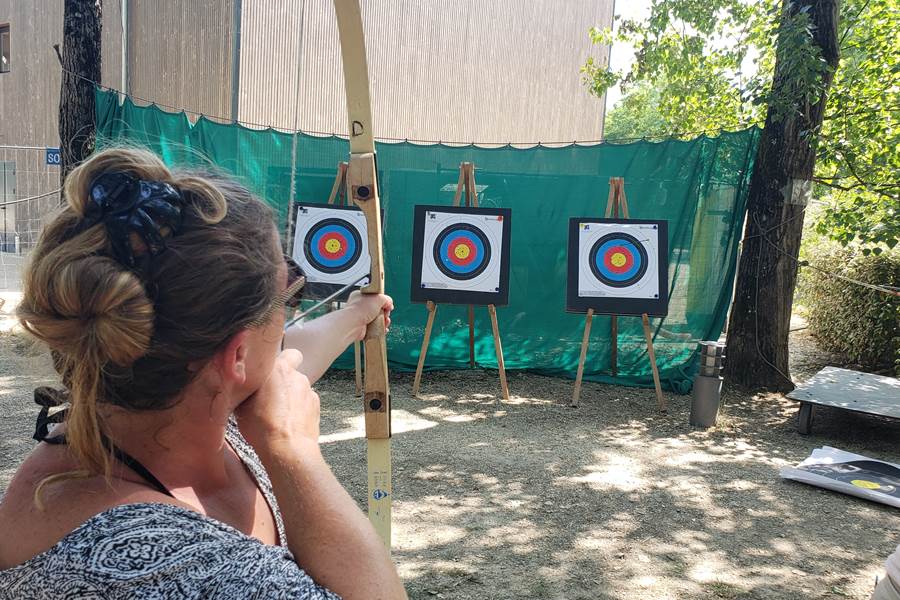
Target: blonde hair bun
(91, 307)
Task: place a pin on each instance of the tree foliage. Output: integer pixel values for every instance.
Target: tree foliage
(708, 67)
(860, 150)
(636, 115)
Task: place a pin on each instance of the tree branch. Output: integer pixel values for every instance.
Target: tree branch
(852, 22)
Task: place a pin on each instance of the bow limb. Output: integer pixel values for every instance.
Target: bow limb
(362, 186)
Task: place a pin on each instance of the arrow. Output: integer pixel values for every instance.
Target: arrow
(323, 302)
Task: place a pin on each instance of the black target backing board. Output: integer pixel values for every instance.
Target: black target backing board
(618, 266)
(331, 245)
(460, 255)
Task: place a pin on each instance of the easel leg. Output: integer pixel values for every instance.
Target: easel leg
(471, 336)
(339, 188)
(613, 203)
(584, 346)
(357, 360)
(614, 349)
(501, 366)
(459, 184)
(660, 399)
(432, 309)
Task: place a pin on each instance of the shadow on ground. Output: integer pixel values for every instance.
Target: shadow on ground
(531, 498)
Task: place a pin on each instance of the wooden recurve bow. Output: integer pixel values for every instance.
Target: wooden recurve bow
(362, 185)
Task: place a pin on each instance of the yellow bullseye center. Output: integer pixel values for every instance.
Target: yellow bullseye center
(868, 485)
(461, 251)
(332, 246)
(618, 259)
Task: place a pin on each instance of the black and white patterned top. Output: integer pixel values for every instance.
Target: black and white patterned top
(162, 551)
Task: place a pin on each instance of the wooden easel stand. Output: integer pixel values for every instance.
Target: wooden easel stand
(498, 348)
(464, 185)
(616, 201)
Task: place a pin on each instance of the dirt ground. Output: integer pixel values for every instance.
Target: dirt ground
(529, 498)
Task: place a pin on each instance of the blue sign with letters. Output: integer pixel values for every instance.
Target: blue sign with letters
(53, 156)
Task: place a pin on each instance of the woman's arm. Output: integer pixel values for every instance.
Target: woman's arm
(327, 533)
(323, 339)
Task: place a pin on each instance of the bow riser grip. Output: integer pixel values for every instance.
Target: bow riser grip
(377, 392)
(362, 181)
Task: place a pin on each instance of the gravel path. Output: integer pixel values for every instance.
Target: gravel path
(532, 499)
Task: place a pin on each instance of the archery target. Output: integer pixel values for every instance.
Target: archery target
(618, 260)
(620, 266)
(461, 255)
(331, 246)
(462, 252)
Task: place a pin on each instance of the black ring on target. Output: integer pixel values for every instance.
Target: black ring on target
(332, 245)
(618, 245)
(477, 245)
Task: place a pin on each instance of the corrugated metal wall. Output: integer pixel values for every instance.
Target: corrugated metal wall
(270, 40)
(463, 70)
(179, 54)
(29, 93)
(29, 101)
(32, 30)
(111, 44)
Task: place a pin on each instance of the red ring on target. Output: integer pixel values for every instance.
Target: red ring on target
(629, 259)
(457, 242)
(341, 240)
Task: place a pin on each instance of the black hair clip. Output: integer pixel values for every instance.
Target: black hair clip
(53, 405)
(151, 209)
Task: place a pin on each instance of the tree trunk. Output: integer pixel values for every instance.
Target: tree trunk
(81, 67)
(779, 188)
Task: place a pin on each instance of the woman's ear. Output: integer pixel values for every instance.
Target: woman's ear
(232, 359)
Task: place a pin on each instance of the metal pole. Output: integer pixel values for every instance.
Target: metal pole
(3, 249)
(124, 83)
(236, 59)
(288, 241)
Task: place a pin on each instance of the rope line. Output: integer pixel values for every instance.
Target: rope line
(764, 233)
(21, 200)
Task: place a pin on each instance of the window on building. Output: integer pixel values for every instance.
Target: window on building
(4, 48)
(7, 181)
(7, 212)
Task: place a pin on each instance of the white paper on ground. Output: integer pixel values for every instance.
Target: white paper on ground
(848, 479)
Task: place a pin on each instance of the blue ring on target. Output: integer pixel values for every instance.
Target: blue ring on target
(469, 267)
(332, 229)
(633, 250)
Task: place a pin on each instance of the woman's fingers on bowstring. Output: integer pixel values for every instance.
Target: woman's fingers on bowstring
(370, 305)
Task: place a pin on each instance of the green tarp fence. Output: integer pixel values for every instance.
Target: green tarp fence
(699, 186)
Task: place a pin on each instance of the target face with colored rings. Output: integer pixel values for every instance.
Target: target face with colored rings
(332, 245)
(618, 260)
(462, 251)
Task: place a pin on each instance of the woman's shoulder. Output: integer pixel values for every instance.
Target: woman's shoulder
(38, 517)
(158, 550)
(66, 504)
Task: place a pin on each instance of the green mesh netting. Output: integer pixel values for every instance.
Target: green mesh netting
(699, 186)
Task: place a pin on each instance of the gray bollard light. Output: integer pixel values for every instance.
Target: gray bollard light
(708, 385)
